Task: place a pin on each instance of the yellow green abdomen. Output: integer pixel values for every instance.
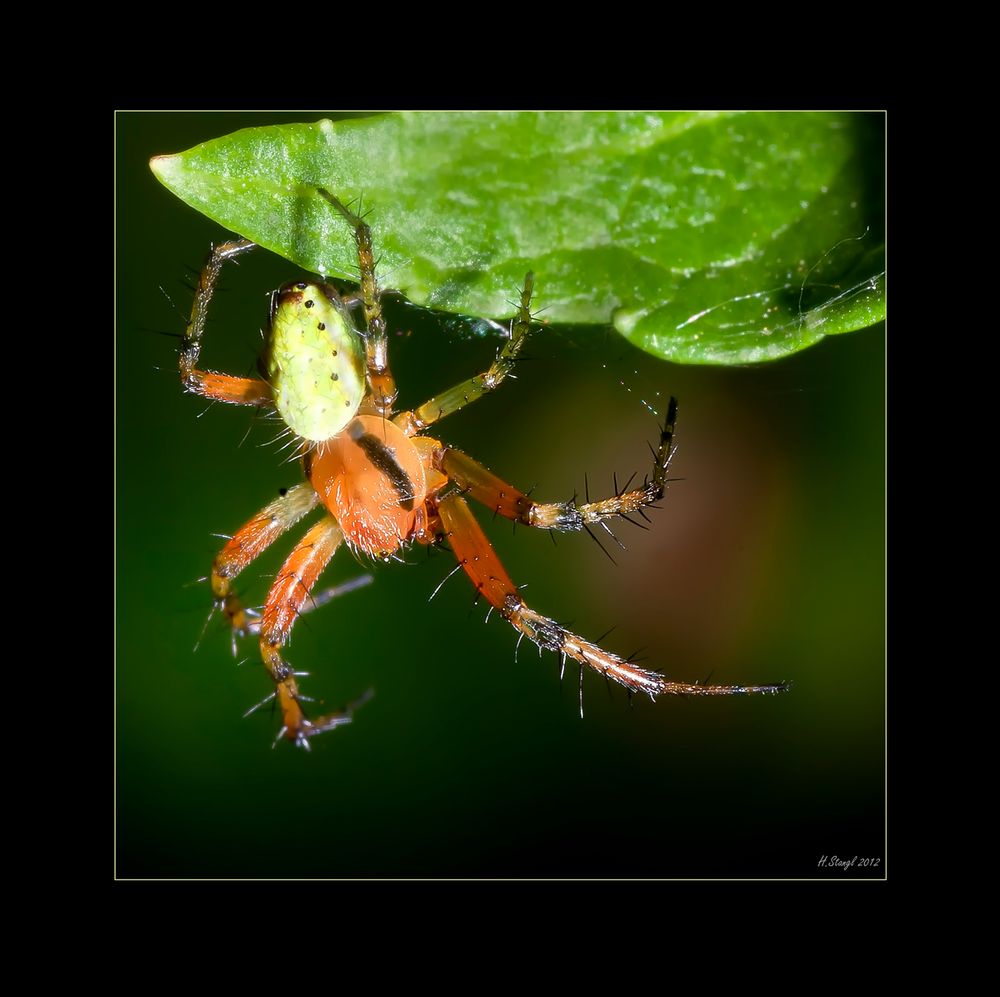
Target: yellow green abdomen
(316, 361)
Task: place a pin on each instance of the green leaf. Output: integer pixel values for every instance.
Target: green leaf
(704, 238)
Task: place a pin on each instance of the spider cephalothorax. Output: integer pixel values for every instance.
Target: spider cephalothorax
(383, 483)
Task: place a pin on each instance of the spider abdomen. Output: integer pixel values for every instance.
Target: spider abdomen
(372, 480)
(315, 361)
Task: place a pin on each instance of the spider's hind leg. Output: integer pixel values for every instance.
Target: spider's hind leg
(380, 379)
(207, 383)
(468, 391)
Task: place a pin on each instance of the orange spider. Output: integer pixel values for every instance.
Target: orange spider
(382, 483)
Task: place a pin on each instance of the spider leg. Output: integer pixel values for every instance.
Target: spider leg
(335, 592)
(505, 500)
(475, 387)
(284, 604)
(380, 379)
(249, 542)
(208, 384)
(481, 564)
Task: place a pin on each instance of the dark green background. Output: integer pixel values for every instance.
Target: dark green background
(765, 563)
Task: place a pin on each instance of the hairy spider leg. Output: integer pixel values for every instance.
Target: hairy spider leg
(468, 391)
(248, 543)
(483, 485)
(380, 380)
(207, 383)
(480, 562)
(284, 605)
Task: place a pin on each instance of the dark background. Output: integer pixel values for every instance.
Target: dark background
(765, 563)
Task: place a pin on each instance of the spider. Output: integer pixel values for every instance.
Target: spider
(381, 481)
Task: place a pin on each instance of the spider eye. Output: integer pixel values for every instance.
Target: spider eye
(315, 361)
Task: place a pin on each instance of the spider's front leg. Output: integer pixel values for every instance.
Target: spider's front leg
(248, 543)
(284, 605)
(207, 383)
(481, 564)
(289, 598)
(505, 500)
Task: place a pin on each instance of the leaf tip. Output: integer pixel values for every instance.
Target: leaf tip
(165, 168)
